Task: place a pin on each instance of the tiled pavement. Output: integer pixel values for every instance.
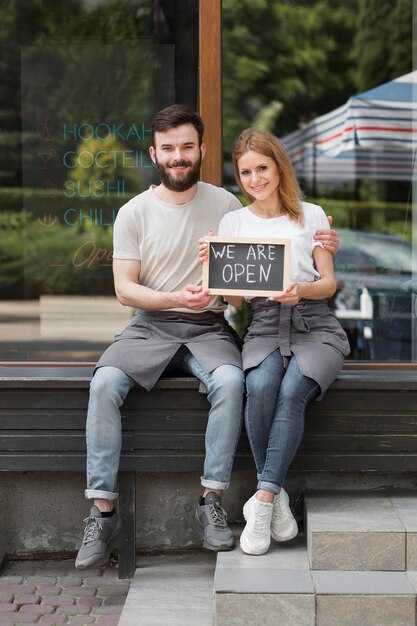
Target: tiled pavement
(53, 592)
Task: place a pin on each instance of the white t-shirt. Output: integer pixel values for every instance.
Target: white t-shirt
(244, 223)
(164, 237)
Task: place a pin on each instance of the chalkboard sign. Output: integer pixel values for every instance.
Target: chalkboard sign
(246, 266)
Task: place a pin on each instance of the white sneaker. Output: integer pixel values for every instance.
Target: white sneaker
(283, 525)
(256, 535)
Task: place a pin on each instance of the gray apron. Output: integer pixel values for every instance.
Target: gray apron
(309, 330)
(145, 347)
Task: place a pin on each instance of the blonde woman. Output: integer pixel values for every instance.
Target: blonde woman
(294, 346)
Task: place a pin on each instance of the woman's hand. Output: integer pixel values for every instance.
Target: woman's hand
(203, 251)
(290, 295)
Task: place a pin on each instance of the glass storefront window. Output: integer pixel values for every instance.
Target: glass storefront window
(334, 82)
(80, 83)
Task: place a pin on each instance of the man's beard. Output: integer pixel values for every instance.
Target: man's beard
(189, 178)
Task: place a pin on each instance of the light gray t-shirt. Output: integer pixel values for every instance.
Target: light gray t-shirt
(164, 237)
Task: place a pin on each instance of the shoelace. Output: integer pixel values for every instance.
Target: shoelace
(279, 512)
(93, 527)
(218, 515)
(260, 523)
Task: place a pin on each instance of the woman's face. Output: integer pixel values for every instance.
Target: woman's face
(258, 174)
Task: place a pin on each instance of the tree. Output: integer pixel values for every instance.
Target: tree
(296, 53)
(383, 43)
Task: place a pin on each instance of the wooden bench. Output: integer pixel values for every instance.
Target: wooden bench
(366, 422)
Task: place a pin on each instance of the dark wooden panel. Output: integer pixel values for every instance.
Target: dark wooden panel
(44, 399)
(57, 419)
(166, 420)
(55, 461)
(175, 399)
(360, 422)
(366, 462)
(51, 441)
(334, 443)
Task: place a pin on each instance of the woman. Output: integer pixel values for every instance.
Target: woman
(294, 346)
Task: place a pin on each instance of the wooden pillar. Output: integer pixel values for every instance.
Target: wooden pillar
(210, 91)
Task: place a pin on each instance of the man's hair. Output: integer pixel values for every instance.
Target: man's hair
(174, 116)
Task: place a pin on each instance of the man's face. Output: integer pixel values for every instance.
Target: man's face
(178, 157)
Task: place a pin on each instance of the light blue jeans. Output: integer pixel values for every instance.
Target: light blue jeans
(274, 416)
(108, 390)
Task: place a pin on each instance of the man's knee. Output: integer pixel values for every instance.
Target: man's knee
(230, 378)
(106, 382)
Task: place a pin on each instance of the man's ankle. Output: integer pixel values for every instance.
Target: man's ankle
(206, 491)
(104, 506)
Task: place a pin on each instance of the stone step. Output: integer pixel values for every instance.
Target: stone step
(171, 590)
(361, 531)
(280, 588)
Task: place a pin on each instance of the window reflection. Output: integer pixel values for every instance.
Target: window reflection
(81, 81)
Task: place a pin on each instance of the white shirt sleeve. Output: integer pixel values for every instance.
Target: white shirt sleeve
(319, 220)
(125, 236)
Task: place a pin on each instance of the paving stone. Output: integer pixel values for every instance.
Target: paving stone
(40, 609)
(69, 581)
(26, 598)
(290, 555)
(366, 610)
(362, 583)
(260, 581)
(10, 580)
(75, 609)
(80, 620)
(104, 620)
(78, 592)
(88, 601)
(266, 609)
(112, 590)
(57, 600)
(23, 588)
(48, 591)
(39, 581)
(114, 601)
(51, 620)
(27, 618)
(106, 610)
(6, 596)
(7, 607)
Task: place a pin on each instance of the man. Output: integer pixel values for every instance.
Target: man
(177, 327)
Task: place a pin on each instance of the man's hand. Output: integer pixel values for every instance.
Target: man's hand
(193, 297)
(329, 238)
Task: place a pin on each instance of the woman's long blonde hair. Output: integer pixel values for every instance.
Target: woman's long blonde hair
(262, 142)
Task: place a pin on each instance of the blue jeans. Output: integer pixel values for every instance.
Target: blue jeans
(108, 390)
(274, 416)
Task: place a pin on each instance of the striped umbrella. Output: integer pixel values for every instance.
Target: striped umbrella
(371, 136)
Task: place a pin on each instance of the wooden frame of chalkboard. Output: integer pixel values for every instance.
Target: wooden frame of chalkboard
(246, 266)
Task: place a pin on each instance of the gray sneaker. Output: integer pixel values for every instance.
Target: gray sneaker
(212, 523)
(101, 537)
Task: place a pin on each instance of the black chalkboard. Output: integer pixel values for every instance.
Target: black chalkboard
(246, 266)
